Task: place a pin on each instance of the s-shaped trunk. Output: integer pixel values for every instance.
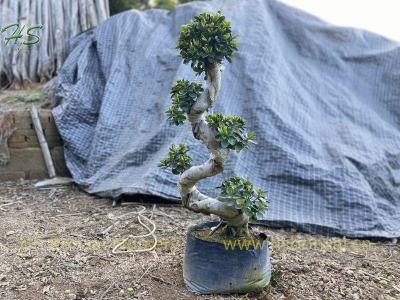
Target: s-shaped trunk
(191, 196)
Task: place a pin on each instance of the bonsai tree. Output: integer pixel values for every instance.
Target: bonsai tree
(206, 42)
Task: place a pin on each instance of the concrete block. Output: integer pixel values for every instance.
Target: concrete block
(12, 176)
(23, 120)
(26, 159)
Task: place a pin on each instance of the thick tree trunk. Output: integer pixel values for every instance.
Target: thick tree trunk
(61, 20)
(191, 197)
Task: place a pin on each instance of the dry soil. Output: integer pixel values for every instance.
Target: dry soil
(50, 248)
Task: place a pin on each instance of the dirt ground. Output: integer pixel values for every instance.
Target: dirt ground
(24, 98)
(50, 248)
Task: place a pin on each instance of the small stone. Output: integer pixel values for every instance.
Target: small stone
(130, 290)
(121, 292)
(46, 289)
(8, 233)
(349, 272)
(71, 296)
(27, 255)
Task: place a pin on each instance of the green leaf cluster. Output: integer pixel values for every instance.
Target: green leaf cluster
(242, 194)
(177, 159)
(231, 132)
(166, 4)
(117, 6)
(184, 94)
(205, 40)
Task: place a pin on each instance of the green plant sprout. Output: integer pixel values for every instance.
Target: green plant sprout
(230, 131)
(184, 95)
(178, 161)
(205, 42)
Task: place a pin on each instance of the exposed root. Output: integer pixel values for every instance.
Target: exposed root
(215, 228)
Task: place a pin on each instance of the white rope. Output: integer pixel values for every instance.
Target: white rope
(151, 230)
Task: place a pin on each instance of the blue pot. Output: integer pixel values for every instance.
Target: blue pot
(231, 267)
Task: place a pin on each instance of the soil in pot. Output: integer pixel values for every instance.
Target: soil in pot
(254, 240)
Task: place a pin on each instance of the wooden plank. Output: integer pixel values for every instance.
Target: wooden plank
(43, 144)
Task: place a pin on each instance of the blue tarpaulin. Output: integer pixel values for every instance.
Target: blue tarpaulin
(324, 102)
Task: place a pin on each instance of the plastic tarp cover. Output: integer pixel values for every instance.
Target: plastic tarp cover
(323, 101)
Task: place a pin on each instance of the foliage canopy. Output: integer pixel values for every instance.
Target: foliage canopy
(206, 40)
(242, 194)
(184, 95)
(231, 132)
(117, 6)
(177, 159)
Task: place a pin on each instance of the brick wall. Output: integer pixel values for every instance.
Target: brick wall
(26, 159)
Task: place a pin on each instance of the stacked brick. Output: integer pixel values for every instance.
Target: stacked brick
(6, 128)
(25, 156)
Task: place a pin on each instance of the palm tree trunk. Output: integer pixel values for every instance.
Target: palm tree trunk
(61, 20)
